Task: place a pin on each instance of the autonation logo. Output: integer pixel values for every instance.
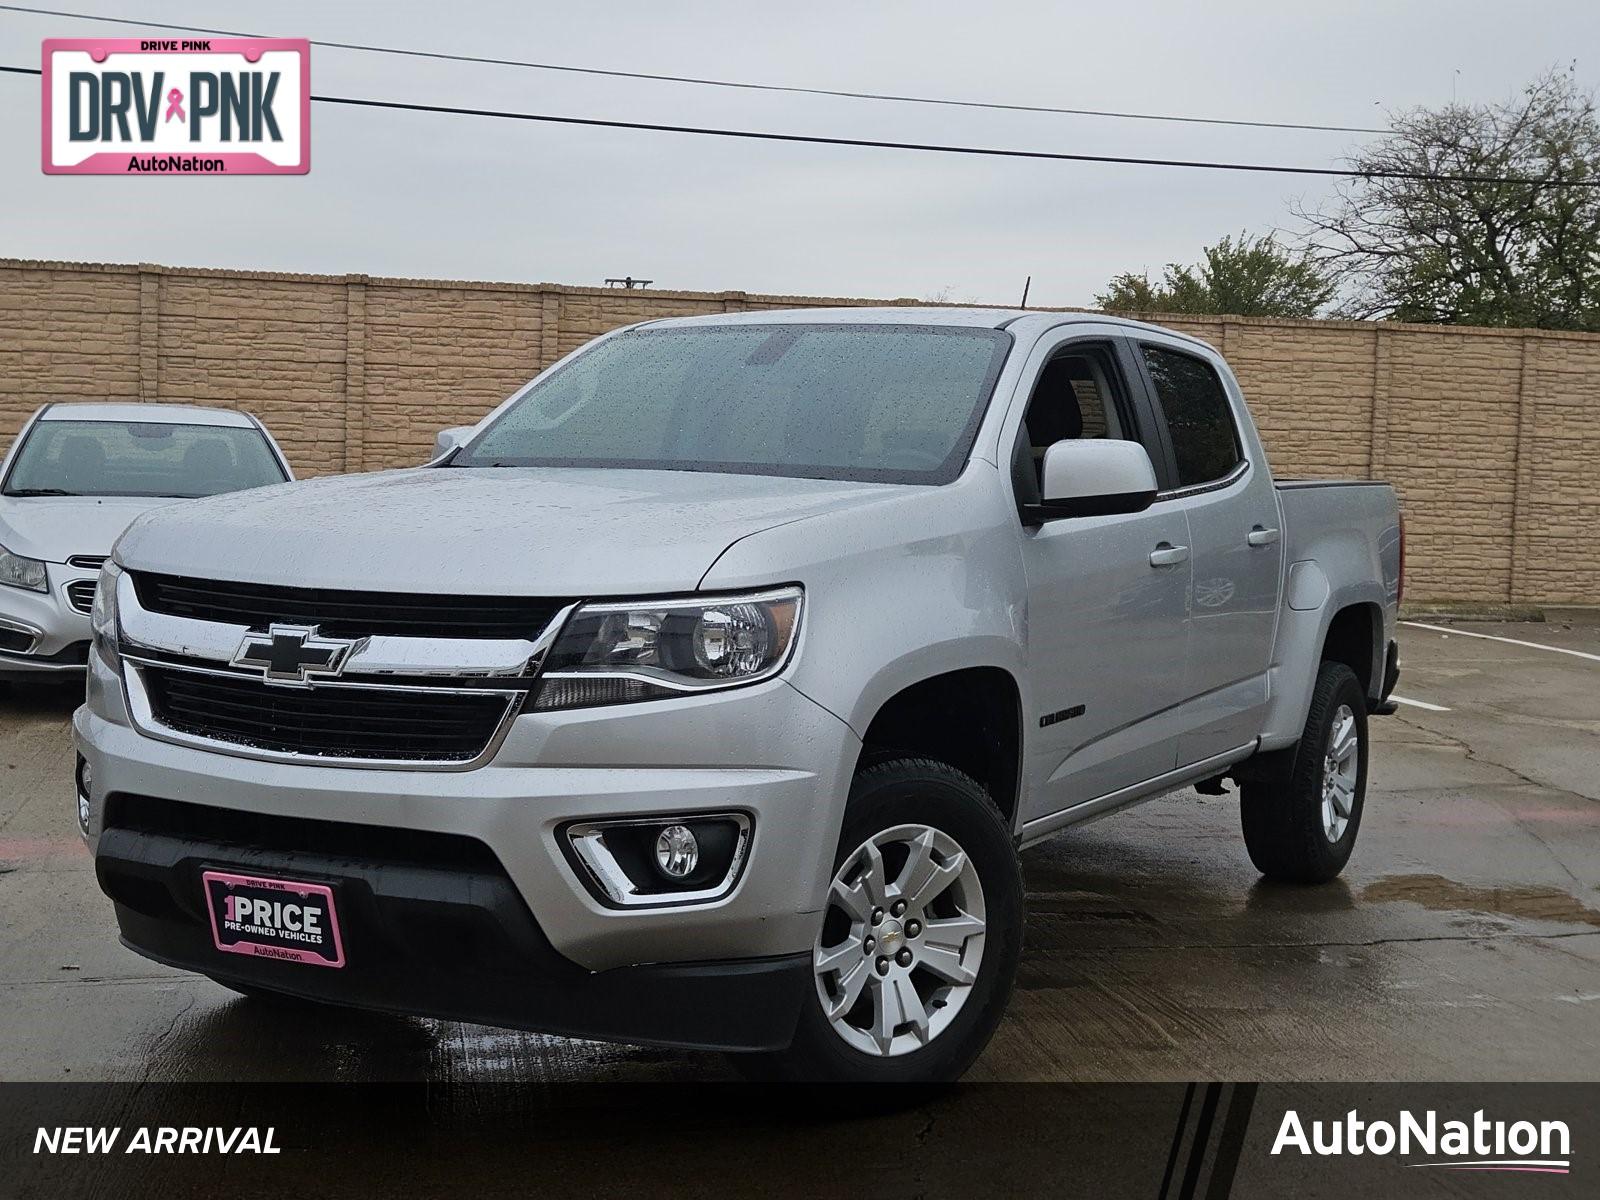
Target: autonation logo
(1476, 1145)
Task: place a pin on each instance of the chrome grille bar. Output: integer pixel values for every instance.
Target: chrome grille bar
(426, 669)
(211, 642)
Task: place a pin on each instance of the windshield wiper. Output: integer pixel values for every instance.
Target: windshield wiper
(42, 492)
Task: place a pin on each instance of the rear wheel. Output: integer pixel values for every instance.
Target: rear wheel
(920, 937)
(1303, 831)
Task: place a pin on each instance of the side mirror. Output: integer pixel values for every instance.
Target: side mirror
(1093, 478)
(447, 440)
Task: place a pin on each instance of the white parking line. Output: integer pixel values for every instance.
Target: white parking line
(1489, 637)
(1419, 704)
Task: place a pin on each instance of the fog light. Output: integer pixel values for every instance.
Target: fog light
(692, 858)
(677, 851)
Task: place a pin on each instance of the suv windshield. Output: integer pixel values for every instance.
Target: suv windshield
(885, 403)
(136, 458)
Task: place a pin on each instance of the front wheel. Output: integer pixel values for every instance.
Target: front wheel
(920, 936)
(1303, 831)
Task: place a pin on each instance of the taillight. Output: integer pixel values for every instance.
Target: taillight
(1400, 585)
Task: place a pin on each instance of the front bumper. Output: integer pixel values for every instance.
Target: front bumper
(534, 947)
(458, 944)
(59, 633)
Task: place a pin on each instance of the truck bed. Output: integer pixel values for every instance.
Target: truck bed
(1349, 521)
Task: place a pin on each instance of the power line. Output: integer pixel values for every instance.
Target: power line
(723, 83)
(924, 147)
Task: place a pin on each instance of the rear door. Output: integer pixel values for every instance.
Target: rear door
(1106, 626)
(1236, 545)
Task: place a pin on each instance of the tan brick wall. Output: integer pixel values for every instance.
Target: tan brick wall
(1491, 435)
(275, 347)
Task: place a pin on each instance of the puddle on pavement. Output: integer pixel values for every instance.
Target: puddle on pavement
(1266, 896)
(1446, 895)
(1083, 906)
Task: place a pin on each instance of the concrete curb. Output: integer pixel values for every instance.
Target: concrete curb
(1467, 611)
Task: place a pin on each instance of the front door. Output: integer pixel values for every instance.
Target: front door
(1107, 617)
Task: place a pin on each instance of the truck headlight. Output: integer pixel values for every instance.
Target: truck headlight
(613, 653)
(103, 612)
(21, 572)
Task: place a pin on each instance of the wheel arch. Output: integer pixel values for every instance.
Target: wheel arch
(969, 718)
(1347, 626)
(1354, 636)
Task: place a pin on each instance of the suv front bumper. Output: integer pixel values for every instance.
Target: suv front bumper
(45, 636)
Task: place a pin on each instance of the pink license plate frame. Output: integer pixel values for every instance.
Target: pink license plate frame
(223, 885)
(182, 161)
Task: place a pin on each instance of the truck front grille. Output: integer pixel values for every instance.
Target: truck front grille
(346, 722)
(339, 613)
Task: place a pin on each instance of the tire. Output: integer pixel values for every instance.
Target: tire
(1293, 829)
(926, 813)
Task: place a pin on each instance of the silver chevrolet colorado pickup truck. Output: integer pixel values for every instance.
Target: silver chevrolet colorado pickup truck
(705, 692)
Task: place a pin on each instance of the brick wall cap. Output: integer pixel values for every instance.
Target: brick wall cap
(564, 289)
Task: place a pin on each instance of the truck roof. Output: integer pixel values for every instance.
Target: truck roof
(972, 318)
(150, 414)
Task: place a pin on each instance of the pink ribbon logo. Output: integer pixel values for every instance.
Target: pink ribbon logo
(175, 105)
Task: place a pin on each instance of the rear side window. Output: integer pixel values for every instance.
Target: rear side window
(1204, 439)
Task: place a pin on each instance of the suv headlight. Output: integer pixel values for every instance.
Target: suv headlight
(22, 572)
(613, 653)
(103, 613)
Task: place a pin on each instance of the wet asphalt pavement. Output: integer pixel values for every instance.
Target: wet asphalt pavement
(1462, 943)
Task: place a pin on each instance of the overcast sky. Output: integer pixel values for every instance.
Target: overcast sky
(393, 193)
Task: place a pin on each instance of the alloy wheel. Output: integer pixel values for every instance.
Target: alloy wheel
(902, 940)
(1341, 765)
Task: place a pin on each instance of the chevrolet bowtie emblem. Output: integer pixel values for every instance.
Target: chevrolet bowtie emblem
(293, 655)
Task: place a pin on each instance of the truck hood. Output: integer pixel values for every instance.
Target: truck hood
(491, 530)
(54, 528)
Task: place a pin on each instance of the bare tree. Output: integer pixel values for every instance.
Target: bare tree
(1516, 243)
(947, 295)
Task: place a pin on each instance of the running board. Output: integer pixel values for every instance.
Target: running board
(1042, 827)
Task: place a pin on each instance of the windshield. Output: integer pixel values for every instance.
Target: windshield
(135, 458)
(888, 403)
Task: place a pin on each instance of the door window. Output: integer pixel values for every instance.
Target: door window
(1075, 397)
(1205, 441)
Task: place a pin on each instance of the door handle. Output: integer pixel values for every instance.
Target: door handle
(1168, 555)
(1260, 535)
